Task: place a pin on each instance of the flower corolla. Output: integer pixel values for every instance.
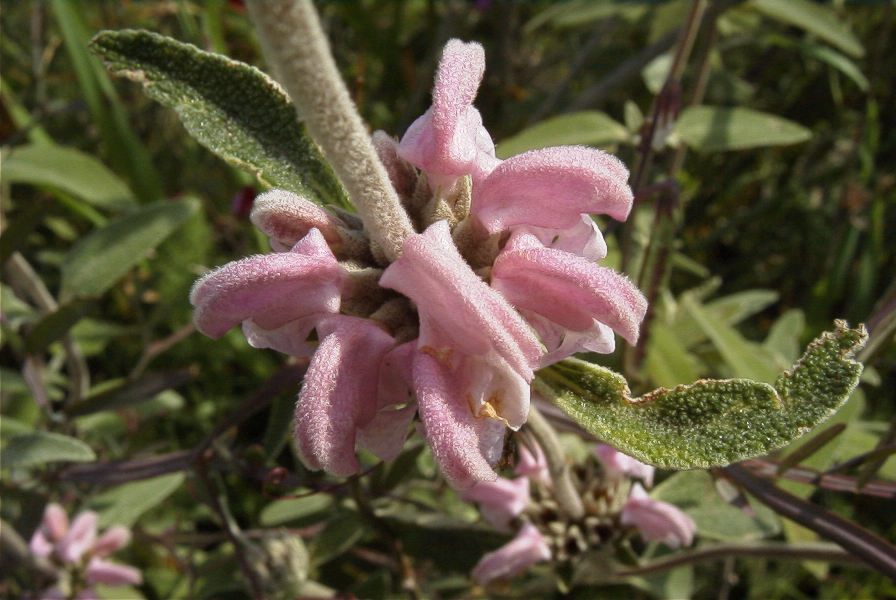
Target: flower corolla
(79, 555)
(497, 281)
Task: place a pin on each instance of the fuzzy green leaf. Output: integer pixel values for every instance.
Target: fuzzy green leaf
(814, 18)
(722, 128)
(97, 261)
(709, 422)
(232, 108)
(68, 170)
(41, 447)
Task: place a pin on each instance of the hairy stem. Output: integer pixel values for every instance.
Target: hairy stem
(564, 490)
(297, 50)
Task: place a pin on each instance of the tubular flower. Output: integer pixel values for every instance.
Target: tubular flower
(79, 554)
(614, 507)
(496, 281)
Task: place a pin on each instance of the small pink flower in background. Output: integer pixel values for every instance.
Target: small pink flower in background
(80, 554)
(617, 464)
(524, 550)
(656, 520)
(498, 281)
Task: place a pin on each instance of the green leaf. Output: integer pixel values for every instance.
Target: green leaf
(695, 493)
(122, 146)
(125, 393)
(106, 254)
(41, 447)
(720, 128)
(56, 324)
(297, 512)
(814, 18)
(123, 504)
(68, 170)
(230, 107)
(590, 127)
(709, 422)
(744, 358)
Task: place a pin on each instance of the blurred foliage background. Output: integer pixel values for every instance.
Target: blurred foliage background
(765, 211)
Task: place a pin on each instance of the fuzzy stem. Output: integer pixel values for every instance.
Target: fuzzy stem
(296, 48)
(564, 490)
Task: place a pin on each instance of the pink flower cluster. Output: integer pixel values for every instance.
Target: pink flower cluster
(80, 554)
(500, 280)
(504, 500)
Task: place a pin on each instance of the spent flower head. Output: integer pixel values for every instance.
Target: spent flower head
(497, 279)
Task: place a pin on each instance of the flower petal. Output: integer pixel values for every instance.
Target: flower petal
(511, 559)
(616, 463)
(455, 305)
(109, 573)
(583, 238)
(449, 141)
(286, 218)
(657, 520)
(270, 289)
(462, 444)
(500, 501)
(339, 393)
(552, 187)
(53, 528)
(79, 537)
(113, 539)
(567, 289)
(385, 434)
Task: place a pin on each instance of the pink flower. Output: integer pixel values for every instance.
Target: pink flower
(497, 281)
(449, 141)
(513, 558)
(656, 520)
(616, 464)
(77, 548)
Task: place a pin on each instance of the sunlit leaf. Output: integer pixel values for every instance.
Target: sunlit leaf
(67, 170)
(230, 107)
(709, 422)
(41, 447)
(107, 253)
(694, 492)
(721, 128)
(304, 510)
(123, 505)
(814, 18)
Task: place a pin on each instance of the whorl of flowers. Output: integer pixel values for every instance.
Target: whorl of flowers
(498, 279)
(79, 554)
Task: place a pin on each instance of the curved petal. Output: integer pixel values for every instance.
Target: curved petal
(286, 218)
(290, 339)
(567, 289)
(385, 434)
(511, 559)
(455, 305)
(79, 537)
(53, 527)
(113, 539)
(461, 443)
(449, 139)
(583, 239)
(270, 289)
(109, 573)
(500, 501)
(657, 520)
(339, 393)
(616, 463)
(552, 187)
